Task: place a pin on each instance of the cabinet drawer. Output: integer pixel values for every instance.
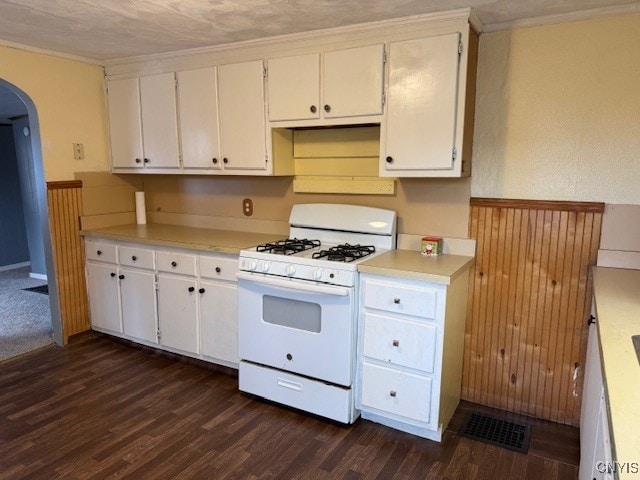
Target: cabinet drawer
(137, 257)
(219, 267)
(101, 252)
(400, 342)
(181, 263)
(419, 301)
(396, 392)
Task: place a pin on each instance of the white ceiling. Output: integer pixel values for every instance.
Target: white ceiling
(108, 29)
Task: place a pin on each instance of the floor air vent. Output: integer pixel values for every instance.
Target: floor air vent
(498, 432)
(41, 289)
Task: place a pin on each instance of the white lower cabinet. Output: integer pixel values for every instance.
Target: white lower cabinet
(595, 441)
(219, 320)
(139, 313)
(178, 313)
(104, 297)
(410, 344)
(172, 298)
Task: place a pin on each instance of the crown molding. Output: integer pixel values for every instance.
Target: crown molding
(461, 14)
(563, 17)
(52, 53)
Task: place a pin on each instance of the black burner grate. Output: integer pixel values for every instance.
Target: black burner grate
(345, 252)
(288, 246)
(41, 289)
(498, 432)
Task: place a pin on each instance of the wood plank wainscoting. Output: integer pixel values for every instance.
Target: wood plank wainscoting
(529, 301)
(65, 208)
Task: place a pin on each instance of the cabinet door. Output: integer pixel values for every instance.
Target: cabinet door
(177, 313)
(104, 301)
(590, 424)
(123, 98)
(198, 118)
(242, 120)
(353, 82)
(159, 121)
(421, 105)
(294, 87)
(219, 320)
(138, 294)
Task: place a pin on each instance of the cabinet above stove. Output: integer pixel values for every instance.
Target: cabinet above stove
(351, 76)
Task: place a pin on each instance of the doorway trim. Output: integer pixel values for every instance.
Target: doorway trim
(41, 195)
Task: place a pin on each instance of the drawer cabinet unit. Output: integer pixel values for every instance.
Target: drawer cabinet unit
(219, 307)
(410, 343)
(335, 84)
(177, 300)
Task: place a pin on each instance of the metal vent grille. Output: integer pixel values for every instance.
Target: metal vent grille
(498, 432)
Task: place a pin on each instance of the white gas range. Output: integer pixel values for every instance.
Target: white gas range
(297, 307)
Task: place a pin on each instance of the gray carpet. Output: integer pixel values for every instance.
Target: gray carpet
(25, 318)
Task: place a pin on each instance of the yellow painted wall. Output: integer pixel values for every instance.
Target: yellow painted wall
(558, 112)
(71, 107)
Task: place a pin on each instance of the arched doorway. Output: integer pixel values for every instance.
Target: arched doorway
(41, 196)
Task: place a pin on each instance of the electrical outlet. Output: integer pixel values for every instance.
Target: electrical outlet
(247, 207)
(78, 151)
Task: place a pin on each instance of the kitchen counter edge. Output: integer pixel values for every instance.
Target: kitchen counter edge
(178, 236)
(411, 264)
(617, 306)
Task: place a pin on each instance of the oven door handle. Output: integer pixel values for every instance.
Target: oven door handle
(299, 286)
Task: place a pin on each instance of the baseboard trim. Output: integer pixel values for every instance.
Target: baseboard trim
(38, 276)
(14, 266)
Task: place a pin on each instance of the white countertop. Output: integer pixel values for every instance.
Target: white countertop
(412, 264)
(206, 239)
(617, 303)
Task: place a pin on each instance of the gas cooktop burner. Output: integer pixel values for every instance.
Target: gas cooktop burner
(288, 246)
(345, 252)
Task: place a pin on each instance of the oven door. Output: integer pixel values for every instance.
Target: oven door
(297, 326)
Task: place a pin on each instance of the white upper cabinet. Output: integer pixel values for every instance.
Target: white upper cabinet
(124, 123)
(159, 121)
(242, 117)
(142, 119)
(294, 87)
(353, 82)
(421, 125)
(198, 119)
(349, 84)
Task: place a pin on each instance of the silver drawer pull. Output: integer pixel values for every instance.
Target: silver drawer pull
(396, 300)
(396, 343)
(393, 393)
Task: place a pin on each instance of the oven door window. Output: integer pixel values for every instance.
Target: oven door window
(287, 312)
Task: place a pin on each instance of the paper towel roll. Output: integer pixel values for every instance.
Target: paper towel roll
(141, 209)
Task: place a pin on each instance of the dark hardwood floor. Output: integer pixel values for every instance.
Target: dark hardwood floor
(101, 409)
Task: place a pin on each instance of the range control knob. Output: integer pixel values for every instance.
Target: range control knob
(317, 273)
(252, 265)
(266, 266)
(291, 270)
